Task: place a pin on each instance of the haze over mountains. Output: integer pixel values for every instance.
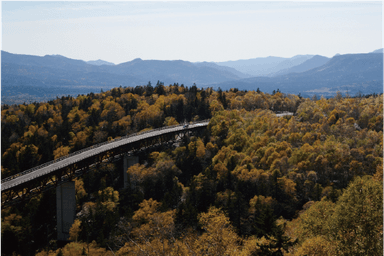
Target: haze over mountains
(265, 66)
(313, 62)
(352, 73)
(28, 78)
(34, 78)
(100, 62)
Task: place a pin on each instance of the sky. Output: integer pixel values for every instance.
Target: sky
(192, 31)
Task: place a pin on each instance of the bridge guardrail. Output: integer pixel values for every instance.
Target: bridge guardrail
(90, 148)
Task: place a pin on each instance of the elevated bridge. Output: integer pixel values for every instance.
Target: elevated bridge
(60, 173)
(49, 175)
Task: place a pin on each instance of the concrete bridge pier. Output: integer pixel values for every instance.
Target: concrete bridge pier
(66, 209)
(128, 162)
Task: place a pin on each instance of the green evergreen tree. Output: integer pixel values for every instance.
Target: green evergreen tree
(278, 242)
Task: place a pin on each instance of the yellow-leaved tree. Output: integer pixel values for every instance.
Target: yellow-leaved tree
(61, 151)
(219, 237)
(153, 233)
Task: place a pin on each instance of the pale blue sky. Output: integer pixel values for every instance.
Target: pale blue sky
(191, 31)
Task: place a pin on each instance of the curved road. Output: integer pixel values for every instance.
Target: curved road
(44, 169)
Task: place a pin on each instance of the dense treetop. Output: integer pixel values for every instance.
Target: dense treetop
(254, 184)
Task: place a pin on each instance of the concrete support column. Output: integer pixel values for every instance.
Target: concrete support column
(128, 162)
(66, 209)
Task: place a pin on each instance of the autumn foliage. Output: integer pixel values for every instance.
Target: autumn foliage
(253, 184)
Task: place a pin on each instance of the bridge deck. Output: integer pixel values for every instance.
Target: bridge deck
(52, 166)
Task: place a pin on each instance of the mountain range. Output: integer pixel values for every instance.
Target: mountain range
(265, 66)
(314, 62)
(36, 78)
(27, 78)
(352, 73)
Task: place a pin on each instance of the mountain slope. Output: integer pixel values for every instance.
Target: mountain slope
(253, 67)
(169, 72)
(351, 72)
(289, 63)
(172, 71)
(378, 51)
(37, 76)
(100, 62)
(265, 66)
(47, 61)
(26, 77)
(314, 62)
(222, 68)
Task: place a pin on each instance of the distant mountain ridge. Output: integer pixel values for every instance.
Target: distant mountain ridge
(350, 72)
(378, 51)
(138, 71)
(35, 78)
(289, 63)
(47, 60)
(253, 67)
(314, 62)
(100, 62)
(265, 66)
(223, 68)
(173, 71)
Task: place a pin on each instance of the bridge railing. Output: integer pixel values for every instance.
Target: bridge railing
(91, 148)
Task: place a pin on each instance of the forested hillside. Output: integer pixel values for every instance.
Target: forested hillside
(254, 184)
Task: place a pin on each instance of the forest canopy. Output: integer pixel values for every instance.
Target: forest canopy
(253, 184)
